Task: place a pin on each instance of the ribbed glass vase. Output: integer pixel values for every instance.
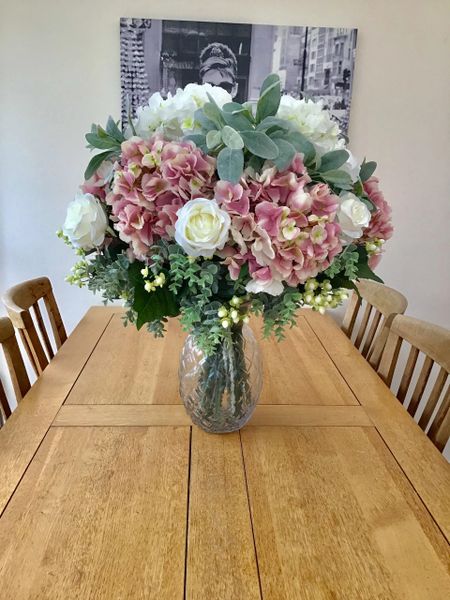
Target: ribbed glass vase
(220, 390)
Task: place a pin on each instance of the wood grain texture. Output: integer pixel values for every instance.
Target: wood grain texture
(221, 562)
(25, 429)
(334, 517)
(100, 513)
(133, 415)
(144, 370)
(425, 467)
(299, 371)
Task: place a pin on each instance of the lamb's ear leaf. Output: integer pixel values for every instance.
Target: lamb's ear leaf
(102, 143)
(113, 130)
(331, 161)
(339, 178)
(230, 164)
(367, 170)
(96, 161)
(260, 144)
(303, 145)
(286, 153)
(269, 99)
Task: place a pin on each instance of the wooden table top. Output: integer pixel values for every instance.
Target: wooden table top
(107, 492)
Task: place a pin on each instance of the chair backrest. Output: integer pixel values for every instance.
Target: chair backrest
(16, 367)
(434, 343)
(20, 302)
(5, 410)
(380, 303)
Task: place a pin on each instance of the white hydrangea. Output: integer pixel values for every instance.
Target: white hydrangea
(148, 117)
(176, 112)
(311, 119)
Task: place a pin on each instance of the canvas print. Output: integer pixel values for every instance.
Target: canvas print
(312, 62)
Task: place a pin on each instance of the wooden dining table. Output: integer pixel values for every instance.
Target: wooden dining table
(107, 491)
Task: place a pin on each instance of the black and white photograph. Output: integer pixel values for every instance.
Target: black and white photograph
(162, 55)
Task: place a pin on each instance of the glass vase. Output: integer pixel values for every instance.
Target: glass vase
(220, 390)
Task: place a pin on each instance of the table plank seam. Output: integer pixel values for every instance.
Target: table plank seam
(250, 516)
(310, 327)
(51, 423)
(411, 484)
(382, 437)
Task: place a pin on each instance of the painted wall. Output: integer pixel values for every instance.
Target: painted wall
(59, 71)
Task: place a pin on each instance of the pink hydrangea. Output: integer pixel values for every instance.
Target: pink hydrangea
(154, 180)
(380, 225)
(289, 233)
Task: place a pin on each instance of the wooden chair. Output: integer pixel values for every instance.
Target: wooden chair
(382, 303)
(16, 367)
(19, 301)
(434, 342)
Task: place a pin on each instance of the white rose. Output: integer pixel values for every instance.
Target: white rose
(353, 215)
(352, 166)
(86, 222)
(272, 287)
(202, 227)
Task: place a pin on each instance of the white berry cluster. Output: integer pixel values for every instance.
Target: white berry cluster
(234, 312)
(320, 296)
(374, 246)
(158, 281)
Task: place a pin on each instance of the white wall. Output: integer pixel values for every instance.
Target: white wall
(59, 71)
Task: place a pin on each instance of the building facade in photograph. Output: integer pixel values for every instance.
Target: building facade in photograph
(312, 62)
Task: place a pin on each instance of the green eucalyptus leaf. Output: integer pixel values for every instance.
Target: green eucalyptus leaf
(286, 153)
(333, 160)
(367, 170)
(96, 161)
(199, 139)
(256, 163)
(269, 99)
(213, 139)
(260, 144)
(231, 138)
(230, 164)
(303, 145)
(338, 178)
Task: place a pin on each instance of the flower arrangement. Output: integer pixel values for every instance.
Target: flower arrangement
(208, 209)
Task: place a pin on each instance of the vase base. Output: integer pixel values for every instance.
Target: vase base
(214, 427)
